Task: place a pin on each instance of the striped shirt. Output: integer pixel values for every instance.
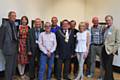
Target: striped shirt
(47, 41)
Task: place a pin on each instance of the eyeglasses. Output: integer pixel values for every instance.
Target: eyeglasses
(48, 26)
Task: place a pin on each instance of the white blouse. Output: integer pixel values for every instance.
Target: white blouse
(81, 42)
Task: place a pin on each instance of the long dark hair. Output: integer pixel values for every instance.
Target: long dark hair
(25, 18)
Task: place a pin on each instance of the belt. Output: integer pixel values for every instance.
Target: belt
(97, 44)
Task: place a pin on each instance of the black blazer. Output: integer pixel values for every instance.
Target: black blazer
(31, 41)
(8, 44)
(75, 37)
(1, 37)
(64, 50)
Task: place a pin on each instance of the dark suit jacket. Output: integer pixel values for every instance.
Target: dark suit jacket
(31, 41)
(9, 45)
(1, 37)
(75, 37)
(64, 50)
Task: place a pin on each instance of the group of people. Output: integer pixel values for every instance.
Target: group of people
(52, 44)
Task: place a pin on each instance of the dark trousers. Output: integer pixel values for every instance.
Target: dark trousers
(33, 64)
(55, 67)
(74, 61)
(59, 68)
(10, 66)
(107, 65)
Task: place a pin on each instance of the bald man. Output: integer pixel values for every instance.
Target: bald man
(96, 45)
(33, 49)
(55, 26)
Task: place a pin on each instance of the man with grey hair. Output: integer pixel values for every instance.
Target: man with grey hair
(111, 45)
(32, 46)
(47, 44)
(10, 45)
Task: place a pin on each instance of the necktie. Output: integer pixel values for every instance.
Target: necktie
(37, 34)
(66, 35)
(65, 32)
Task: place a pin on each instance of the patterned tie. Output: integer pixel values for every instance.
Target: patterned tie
(37, 34)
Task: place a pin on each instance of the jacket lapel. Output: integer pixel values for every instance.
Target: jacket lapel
(33, 31)
(9, 31)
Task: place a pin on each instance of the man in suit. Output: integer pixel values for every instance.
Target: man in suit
(74, 61)
(111, 45)
(65, 49)
(33, 49)
(10, 45)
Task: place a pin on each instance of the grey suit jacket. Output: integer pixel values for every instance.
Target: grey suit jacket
(112, 41)
(1, 37)
(8, 45)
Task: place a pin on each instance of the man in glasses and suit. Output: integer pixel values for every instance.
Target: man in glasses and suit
(65, 49)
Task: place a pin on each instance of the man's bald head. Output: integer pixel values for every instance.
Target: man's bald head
(95, 20)
(54, 21)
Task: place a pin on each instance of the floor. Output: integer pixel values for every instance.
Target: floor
(116, 76)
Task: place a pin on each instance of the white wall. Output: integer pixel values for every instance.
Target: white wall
(116, 60)
(71, 9)
(101, 8)
(45, 9)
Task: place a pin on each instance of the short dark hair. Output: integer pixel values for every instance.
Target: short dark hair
(65, 20)
(25, 18)
(73, 21)
(109, 16)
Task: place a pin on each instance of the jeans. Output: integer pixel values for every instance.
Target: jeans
(96, 50)
(43, 60)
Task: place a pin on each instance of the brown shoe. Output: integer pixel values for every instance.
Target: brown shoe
(14, 78)
(25, 77)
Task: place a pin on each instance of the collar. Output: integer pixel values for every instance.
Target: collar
(47, 32)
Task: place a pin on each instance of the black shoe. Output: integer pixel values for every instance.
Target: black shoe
(31, 78)
(67, 79)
